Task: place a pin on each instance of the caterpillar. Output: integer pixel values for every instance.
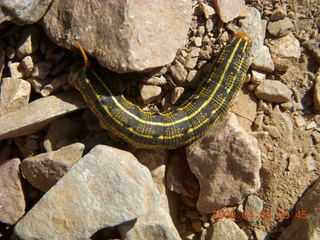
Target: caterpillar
(174, 128)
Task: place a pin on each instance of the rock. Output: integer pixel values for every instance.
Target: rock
(149, 93)
(152, 159)
(316, 93)
(287, 46)
(10, 52)
(207, 10)
(226, 162)
(155, 80)
(316, 137)
(260, 234)
(245, 107)
(314, 48)
(263, 60)
(273, 131)
(310, 163)
(16, 70)
(156, 225)
(196, 225)
(55, 85)
(28, 64)
(12, 198)
(44, 170)
(280, 28)
(253, 205)
(179, 177)
(226, 229)
(306, 219)
(38, 84)
(132, 39)
(178, 72)
(15, 93)
(197, 41)
(278, 14)
(23, 12)
(273, 91)
(228, 10)
(36, 115)
(192, 58)
(62, 132)
(283, 122)
(105, 188)
(42, 69)
(29, 43)
(176, 94)
(3, 51)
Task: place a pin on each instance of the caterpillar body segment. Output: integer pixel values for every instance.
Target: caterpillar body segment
(180, 126)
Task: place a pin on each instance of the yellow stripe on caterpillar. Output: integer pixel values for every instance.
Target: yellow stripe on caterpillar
(179, 126)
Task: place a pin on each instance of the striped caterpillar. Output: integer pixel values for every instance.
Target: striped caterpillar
(174, 128)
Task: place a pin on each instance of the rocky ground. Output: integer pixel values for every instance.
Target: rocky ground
(255, 175)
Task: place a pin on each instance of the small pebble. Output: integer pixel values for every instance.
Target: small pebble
(273, 91)
(207, 10)
(10, 52)
(278, 14)
(311, 125)
(149, 93)
(28, 64)
(178, 71)
(16, 70)
(176, 94)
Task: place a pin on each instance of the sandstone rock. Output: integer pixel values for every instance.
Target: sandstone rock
(12, 198)
(306, 221)
(23, 11)
(36, 115)
(273, 91)
(178, 71)
(61, 132)
(280, 28)
(287, 46)
(263, 60)
(15, 94)
(149, 93)
(179, 177)
(226, 229)
(44, 170)
(119, 28)
(156, 225)
(226, 162)
(228, 10)
(29, 43)
(105, 188)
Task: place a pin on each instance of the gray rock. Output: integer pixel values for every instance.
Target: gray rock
(117, 34)
(23, 11)
(228, 10)
(273, 91)
(287, 46)
(156, 225)
(15, 93)
(253, 205)
(263, 60)
(36, 115)
(29, 43)
(11, 194)
(306, 219)
(44, 170)
(226, 229)
(280, 28)
(105, 188)
(226, 162)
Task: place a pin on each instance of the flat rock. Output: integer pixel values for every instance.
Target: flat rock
(149, 93)
(105, 188)
(280, 28)
(12, 198)
(226, 229)
(23, 11)
(156, 225)
(62, 132)
(273, 91)
(117, 34)
(36, 115)
(228, 10)
(44, 170)
(15, 93)
(287, 46)
(226, 162)
(316, 94)
(306, 221)
(263, 60)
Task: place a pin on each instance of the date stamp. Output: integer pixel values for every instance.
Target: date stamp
(264, 215)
